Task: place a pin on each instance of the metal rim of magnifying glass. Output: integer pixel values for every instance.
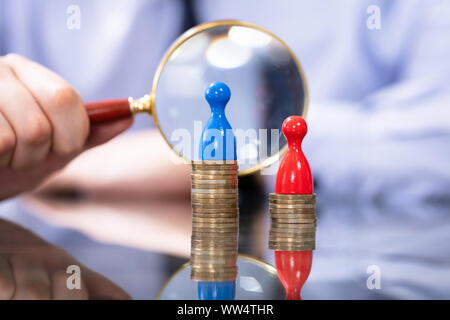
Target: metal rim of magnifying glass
(150, 103)
(266, 266)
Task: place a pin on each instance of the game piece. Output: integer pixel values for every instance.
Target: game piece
(215, 203)
(217, 141)
(292, 210)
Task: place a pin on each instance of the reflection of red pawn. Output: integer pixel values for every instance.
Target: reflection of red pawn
(294, 177)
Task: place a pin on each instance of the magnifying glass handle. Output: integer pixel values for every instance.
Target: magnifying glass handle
(108, 110)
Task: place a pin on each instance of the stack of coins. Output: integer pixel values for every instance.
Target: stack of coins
(214, 198)
(292, 222)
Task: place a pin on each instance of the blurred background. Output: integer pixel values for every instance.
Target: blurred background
(378, 74)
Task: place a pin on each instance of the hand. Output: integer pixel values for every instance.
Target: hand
(43, 125)
(31, 268)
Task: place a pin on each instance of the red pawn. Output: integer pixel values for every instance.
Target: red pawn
(294, 177)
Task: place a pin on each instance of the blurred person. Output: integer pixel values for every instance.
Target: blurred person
(379, 125)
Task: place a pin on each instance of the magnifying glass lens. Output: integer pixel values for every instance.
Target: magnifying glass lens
(266, 86)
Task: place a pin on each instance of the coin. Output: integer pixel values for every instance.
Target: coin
(214, 255)
(207, 205)
(213, 186)
(209, 162)
(234, 217)
(211, 253)
(291, 226)
(233, 229)
(230, 249)
(215, 223)
(216, 215)
(292, 206)
(292, 248)
(213, 277)
(311, 219)
(291, 243)
(230, 173)
(202, 166)
(214, 220)
(214, 191)
(298, 197)
(203, 252)
(216, 180)
(202, 271)
(219, 240)
(292, 234)
(214, 241)
(231, 168)
(214, 199)
(298, 228)
(293, 221)
(292, 216)
(212, 263)
(214, 235)
(213, 268)
(291, 201)
(292, 211)
(218, 209)
(213, 274)
(197, 167)
(219, 182)
(197, 196)
(213, 204)
(292, 240)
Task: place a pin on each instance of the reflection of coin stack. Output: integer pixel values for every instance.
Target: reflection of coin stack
(293, 222)
(214, 198)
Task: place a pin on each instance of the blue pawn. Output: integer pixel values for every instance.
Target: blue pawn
(216, 290)
(217, 143)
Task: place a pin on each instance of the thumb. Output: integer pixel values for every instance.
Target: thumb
(101, 288)
(101, 133)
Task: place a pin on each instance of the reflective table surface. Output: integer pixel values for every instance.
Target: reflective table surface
(406, 248)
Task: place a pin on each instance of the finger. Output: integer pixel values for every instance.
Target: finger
(61, 290)
(32, 280)
(7, 142)
(59, 101)
(7, 286)
(31, 127)
(104, 132)
(100, 288)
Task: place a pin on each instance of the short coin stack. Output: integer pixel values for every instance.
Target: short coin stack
(292, 222)
(215, 217)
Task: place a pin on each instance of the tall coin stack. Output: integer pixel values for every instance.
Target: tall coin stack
(292, 222)
(215, 217)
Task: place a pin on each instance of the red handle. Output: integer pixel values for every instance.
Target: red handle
(102, 111)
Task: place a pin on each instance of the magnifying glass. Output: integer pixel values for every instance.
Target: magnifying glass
(266, 80)
(257, 280)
